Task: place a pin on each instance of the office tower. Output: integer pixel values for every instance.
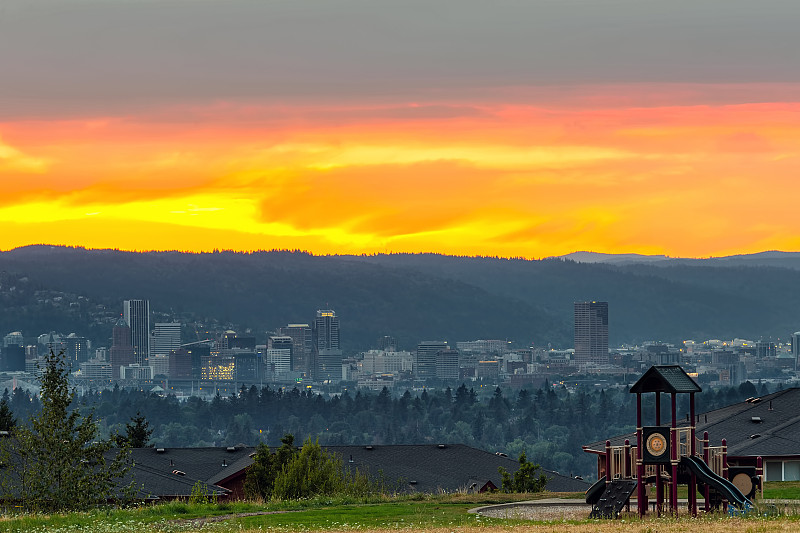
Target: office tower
(796, 349)
(137, 316)
(325, 339)
(13, 358)
(14, 338)
(591, 332)
(301, 346)
(326, 330)
(159, 364)
(387, 343)
(121, 353)
(425, 363)
(166, 337)
(245, 364)
(766, 349)
(447, 364)
(180, 365)
(76, 350)
(278, 361)
(283, 345)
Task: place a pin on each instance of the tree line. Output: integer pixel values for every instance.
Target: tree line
(549, 424)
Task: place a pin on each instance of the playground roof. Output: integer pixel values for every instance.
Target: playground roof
(670, 378)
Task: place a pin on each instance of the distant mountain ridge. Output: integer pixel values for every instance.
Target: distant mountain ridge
(774, 258)
(418, 297)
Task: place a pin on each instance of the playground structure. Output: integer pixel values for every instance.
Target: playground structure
(669, 455)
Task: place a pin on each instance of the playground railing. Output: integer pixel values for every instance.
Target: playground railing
(716, 458)
(684, 439)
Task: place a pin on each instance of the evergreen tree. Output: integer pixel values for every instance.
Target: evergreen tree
(56, 461)
(138, 432)
(7, 420)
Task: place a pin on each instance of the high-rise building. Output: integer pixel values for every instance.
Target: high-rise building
(166, 337)
(591, 332)
(136, 314)
(447, 365)
(425, 363)
(796, 349)
(387, 343)
(121, 352)
(180, 365)
(326, 330)
(279, 353)
(76, 349)
(325, 339)
(14, 338)
(301, 346)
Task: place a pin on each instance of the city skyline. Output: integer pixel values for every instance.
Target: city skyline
(529, 129)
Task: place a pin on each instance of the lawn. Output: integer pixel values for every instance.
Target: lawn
(782, 490)
(427, 513)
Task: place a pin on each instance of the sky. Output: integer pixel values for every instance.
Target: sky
(514, 128)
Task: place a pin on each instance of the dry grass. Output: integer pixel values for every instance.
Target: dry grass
(722, 525)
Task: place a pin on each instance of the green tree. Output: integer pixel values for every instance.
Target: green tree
(310, 473)
(137, 432)
(57, 463)
(260, 479)
(526, 479)
(7, 419)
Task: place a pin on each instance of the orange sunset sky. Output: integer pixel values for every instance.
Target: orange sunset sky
(531, 129)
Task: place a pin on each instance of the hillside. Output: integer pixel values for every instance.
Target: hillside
(265, 290)
(412, 296)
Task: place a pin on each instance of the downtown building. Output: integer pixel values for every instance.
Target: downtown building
(425, 363)
(591, 333)
(136, 314)
(327, 353)
(302, 349)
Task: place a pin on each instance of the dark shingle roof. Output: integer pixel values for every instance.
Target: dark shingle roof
(436, 468)
(670, 378)
(196, 463)
(431, 467)
(775, 418)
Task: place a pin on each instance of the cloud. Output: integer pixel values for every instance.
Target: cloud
(14, 161)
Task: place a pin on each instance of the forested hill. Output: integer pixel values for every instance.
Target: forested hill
(266, 290)
(412, 296)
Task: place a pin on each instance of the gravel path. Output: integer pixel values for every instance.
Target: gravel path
(540, 510)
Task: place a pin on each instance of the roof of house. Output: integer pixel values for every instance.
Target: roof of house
(766, 426)
(443, 467)
(152, 483)
(428, 467)
(666, 378)
(196, 463)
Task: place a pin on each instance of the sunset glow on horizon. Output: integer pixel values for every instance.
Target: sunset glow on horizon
(513, 170)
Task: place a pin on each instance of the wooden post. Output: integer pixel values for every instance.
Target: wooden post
(626, 469)
(609, 475)
(659, 484)
(674, 483)
(760, 474)
(640, 488)
(707, 490)
(724, 469)
(692, 451)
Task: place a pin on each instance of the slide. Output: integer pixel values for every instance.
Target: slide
(704, 473)
(594, 492)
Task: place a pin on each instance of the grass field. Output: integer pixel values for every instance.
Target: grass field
(443, 513)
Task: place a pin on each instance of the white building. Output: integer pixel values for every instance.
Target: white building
(384, 362)
(279, 360)
(166, 337)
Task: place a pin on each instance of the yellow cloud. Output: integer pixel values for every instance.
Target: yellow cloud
(15, 160)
